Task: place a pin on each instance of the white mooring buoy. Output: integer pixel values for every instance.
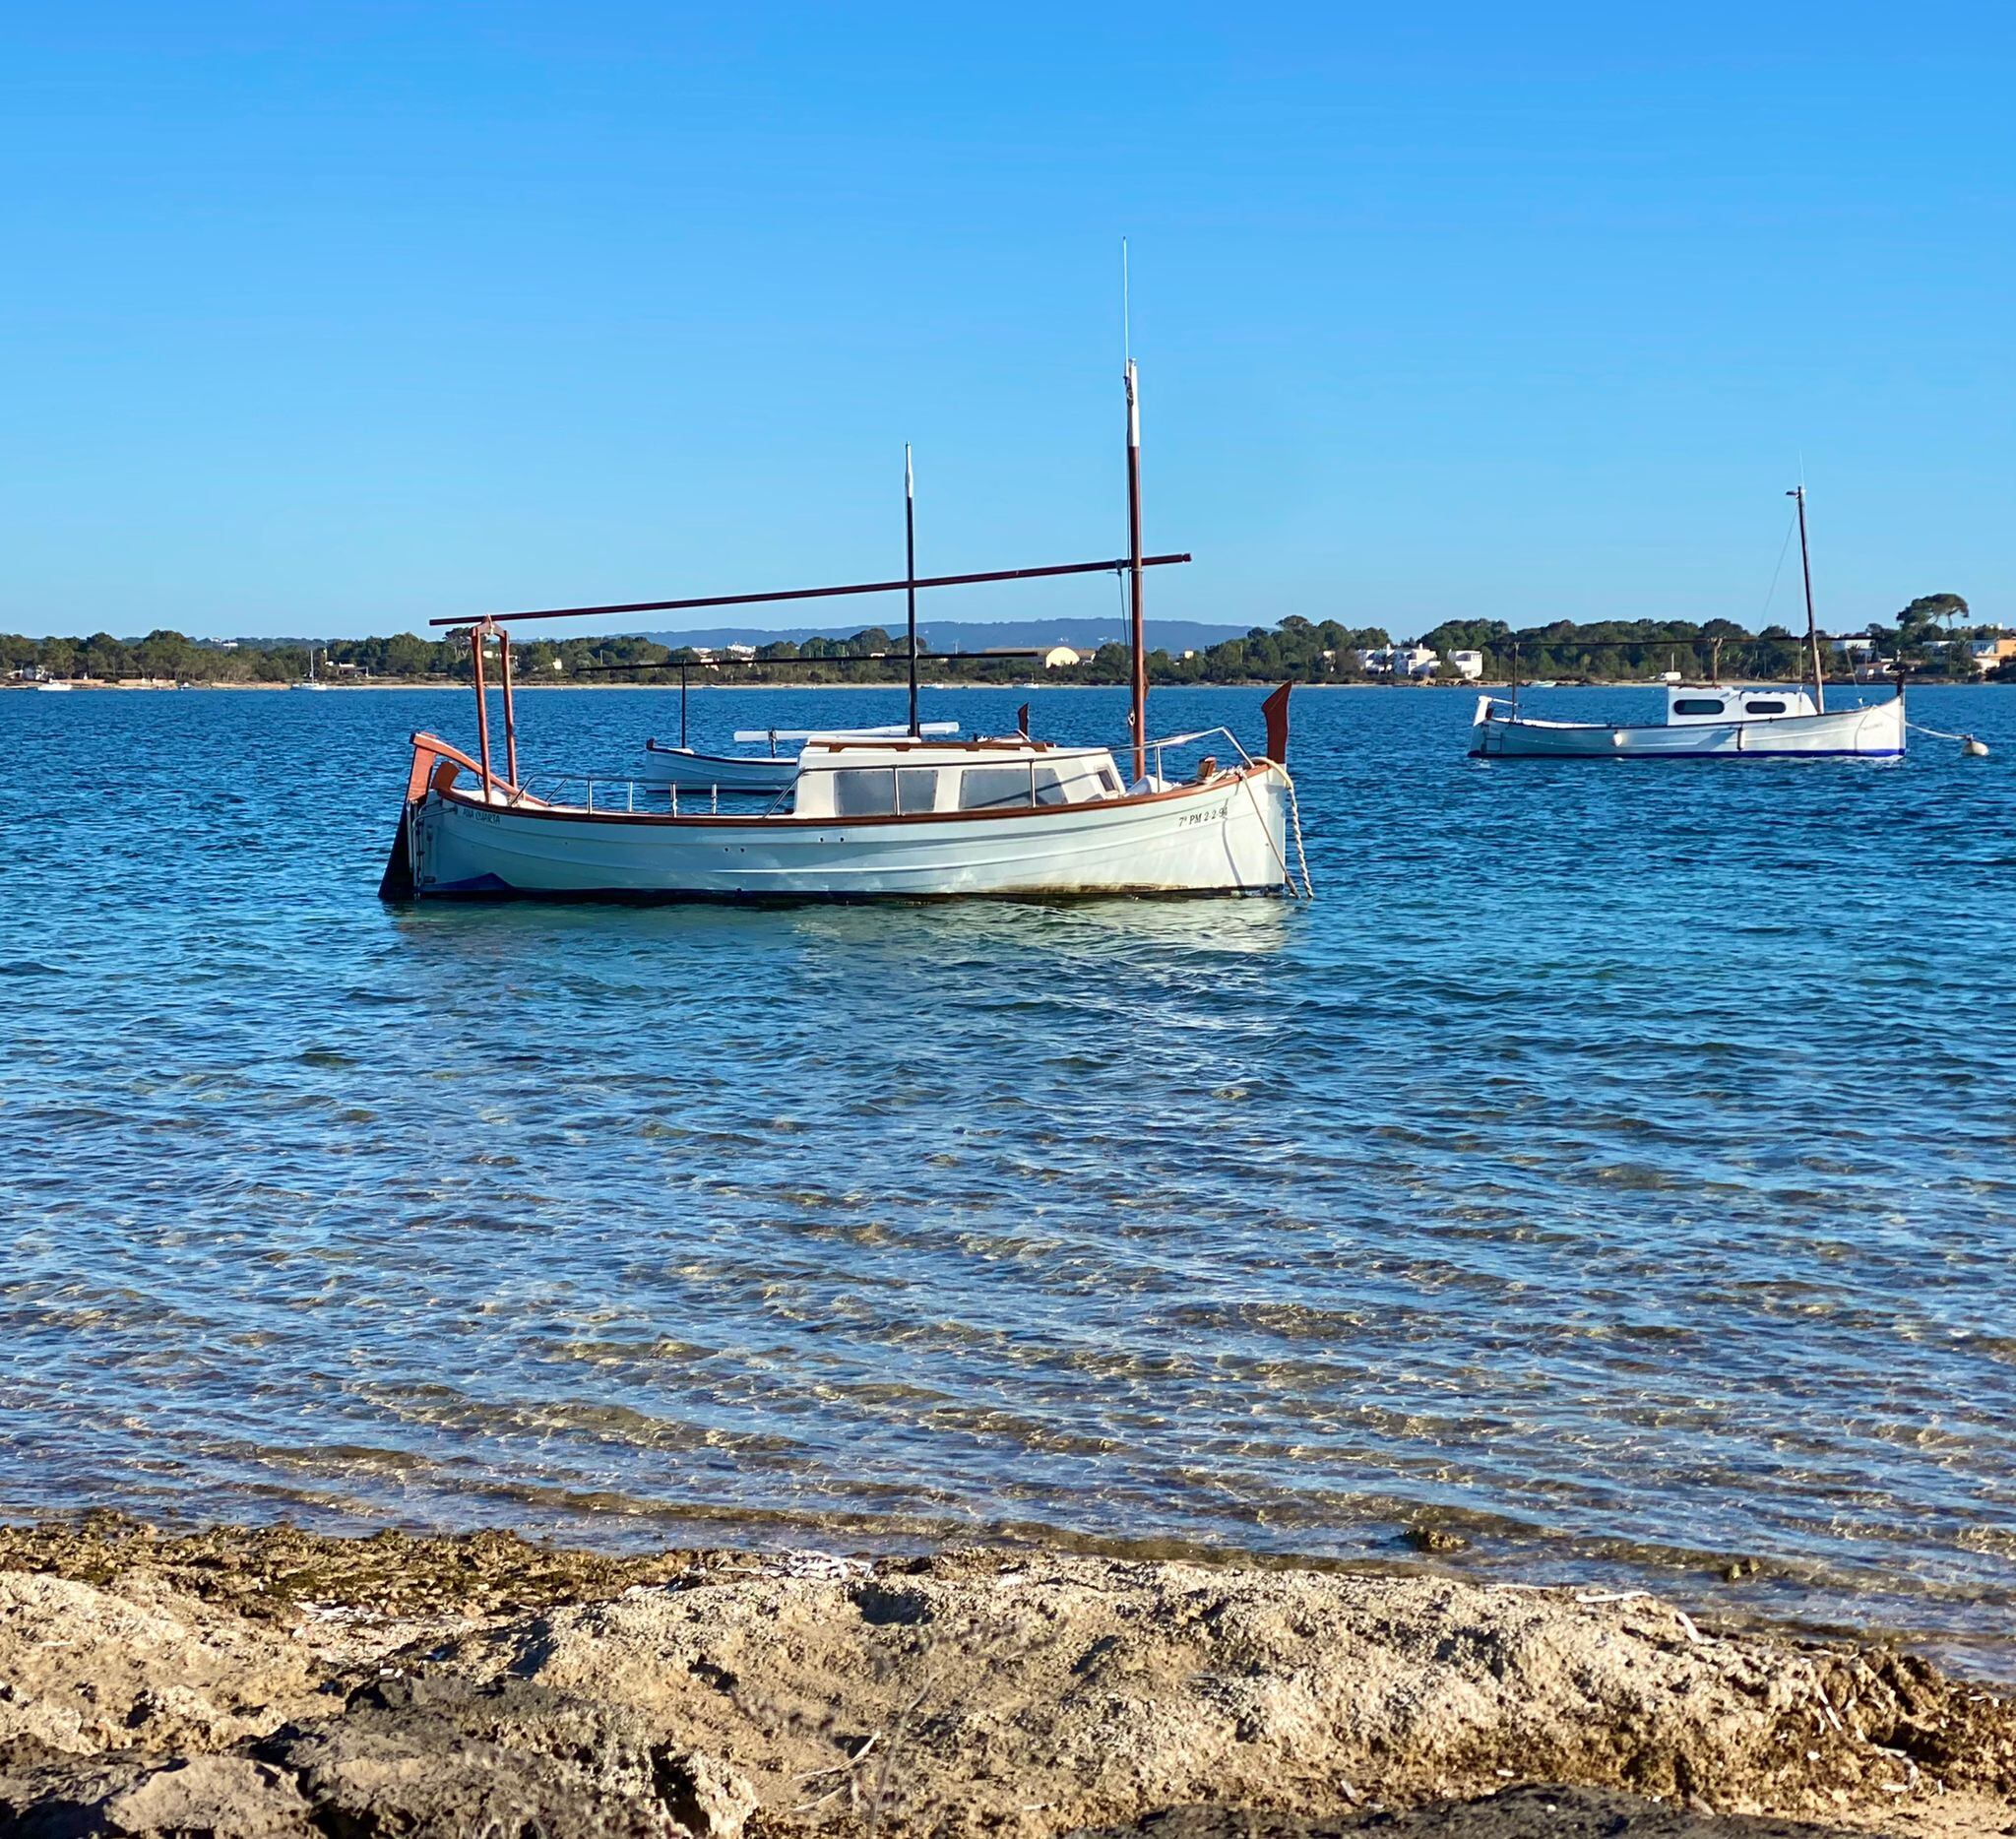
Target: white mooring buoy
(1974, 749)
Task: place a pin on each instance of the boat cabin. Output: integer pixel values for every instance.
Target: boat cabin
(884, 778)
(1690, 704)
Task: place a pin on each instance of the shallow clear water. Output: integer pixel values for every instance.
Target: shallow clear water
(1614, 1167)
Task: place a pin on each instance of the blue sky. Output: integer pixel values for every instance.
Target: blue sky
(327, 320)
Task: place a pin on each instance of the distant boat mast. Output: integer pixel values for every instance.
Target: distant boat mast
(1799, 494)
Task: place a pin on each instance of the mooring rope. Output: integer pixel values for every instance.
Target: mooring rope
(1971, 743)
(1288, 874)
(1294, 808)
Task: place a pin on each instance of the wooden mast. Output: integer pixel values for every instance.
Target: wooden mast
(1139, 713)
(510, 725)
(1799, 494)
(909, 572)
(475, 648)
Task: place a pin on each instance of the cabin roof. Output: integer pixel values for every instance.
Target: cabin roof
(1687, 702)
(903, 751)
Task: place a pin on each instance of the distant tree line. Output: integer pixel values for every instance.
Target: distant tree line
(1929, 634)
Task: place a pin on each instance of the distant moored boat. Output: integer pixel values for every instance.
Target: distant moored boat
(1710, 720)
(1700, 721)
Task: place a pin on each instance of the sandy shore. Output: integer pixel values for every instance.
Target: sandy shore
(281, 1684)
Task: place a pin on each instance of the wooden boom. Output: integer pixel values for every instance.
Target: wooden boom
(1116, 566)
(781, 664)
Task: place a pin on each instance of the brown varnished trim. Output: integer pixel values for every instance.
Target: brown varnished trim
(976, 744)
(428, 748)
(891, 743)
(1042, 812)
(719, 759)
(420, 774)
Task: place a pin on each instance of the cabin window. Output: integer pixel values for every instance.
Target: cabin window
(993, 788)
(1049, 786)
(916, 787)
(1698, 705)
(1764, 708)
(1111, 780)
(865, 792)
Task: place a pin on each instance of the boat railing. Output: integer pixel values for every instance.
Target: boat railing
(1177, 741)
(592, 791)
(625, 795)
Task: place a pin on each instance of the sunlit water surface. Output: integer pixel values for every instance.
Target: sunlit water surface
(1614, 1167)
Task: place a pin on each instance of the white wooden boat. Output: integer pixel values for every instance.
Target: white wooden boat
(311, 682)
(903, 816)
(896, 819)
(1708, 721)
(684, 767)
(1715, 719)
(690, 769)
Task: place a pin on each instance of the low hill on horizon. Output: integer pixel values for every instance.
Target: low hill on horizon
(938, 635)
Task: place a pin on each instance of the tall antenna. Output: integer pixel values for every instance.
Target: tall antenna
(910, 575)
(1136, 633)
(1126, 320)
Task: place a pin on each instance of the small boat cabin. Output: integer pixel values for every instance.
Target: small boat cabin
(1691, 704)
(883, 778)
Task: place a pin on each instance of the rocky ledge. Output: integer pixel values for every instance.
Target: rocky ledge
(276, 1685)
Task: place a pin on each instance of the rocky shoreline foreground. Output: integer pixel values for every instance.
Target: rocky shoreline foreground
(276, 1685)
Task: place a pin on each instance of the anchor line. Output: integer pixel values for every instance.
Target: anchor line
(1939, 733)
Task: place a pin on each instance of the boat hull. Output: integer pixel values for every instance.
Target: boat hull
(702, 772)
(1227, 836)
(1873, 731)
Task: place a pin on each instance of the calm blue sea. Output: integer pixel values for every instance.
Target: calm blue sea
(1614, 1170)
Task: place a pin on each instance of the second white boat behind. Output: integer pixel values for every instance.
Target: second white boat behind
(771, 772)
(1701, 721)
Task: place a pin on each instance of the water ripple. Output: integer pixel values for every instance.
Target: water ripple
(1614, 1170)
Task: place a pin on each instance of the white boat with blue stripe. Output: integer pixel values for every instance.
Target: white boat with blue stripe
(1713, 719)
(1702, 722)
